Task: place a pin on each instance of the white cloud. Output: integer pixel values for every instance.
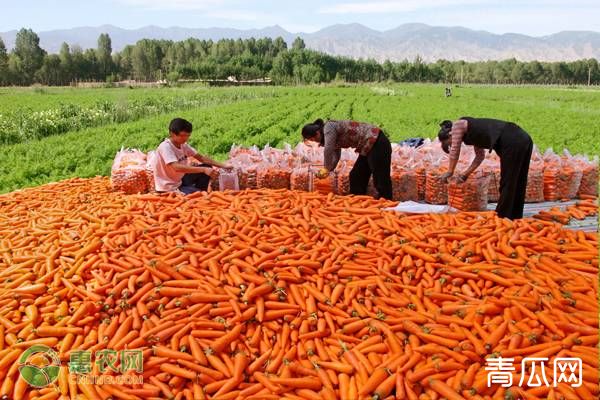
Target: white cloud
(235, 15)
(528, 21)
(391, 6)
(201, 5)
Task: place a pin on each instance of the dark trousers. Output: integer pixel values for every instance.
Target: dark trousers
(514, 148)
(377, 162)
(196, 182)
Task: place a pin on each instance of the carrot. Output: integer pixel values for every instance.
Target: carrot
(299, 383)
(45, 331)
(220, 344)
(444, 390)
(177, 371)
(378, 376)
(385, 387)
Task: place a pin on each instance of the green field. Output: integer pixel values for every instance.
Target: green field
(555, 117)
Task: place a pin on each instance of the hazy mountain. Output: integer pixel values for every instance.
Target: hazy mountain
(358, 41)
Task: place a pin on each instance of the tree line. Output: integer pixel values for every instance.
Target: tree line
(150, 60)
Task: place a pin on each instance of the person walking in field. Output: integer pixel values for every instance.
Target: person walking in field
(369, 141)
(172, 173)
(512, 144)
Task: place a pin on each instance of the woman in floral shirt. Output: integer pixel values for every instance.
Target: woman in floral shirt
(372, 145)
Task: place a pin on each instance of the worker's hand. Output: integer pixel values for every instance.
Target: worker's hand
(322, 173)
(204, 170)
(461, 178)
(444, 177)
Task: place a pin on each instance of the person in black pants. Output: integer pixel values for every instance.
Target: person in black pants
(196, 181)
(512, 144)
(369, 141)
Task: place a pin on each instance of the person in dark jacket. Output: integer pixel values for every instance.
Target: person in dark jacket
(372, 145)
(512, 144)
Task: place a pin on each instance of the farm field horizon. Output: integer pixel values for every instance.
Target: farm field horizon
(50, 134)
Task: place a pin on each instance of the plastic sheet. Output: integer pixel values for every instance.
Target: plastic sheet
(412, 207)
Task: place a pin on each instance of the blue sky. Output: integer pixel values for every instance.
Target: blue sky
(533, 17)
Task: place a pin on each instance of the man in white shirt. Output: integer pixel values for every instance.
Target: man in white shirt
(172, 172)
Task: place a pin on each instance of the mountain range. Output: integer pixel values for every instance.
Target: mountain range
(358, 41)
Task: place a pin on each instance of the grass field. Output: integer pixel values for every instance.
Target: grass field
(555, 117)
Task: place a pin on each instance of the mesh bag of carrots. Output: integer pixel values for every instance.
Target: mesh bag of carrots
(228, 180)
(150, 162)
(493, 169)
(534, 191)
(561, 177)
(273, 176)
(300, 179)
(343, 178)
(128, 173)
(246, 169)
(589, 176)
(552, 176)
(239, 151)
(436, 190)
(322, 185)
(571, 178)
(471, 195)
(404, 184)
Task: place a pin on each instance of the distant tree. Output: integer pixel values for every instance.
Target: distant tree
(535, 72)
(279, 45)
(4, 78)
(146, 59)
(560, 73)
(31, 55)
(104, 55)
(283, 68)
(91, 65)
(66, 63)
(517, 73)
(298, 44)
(50, 72)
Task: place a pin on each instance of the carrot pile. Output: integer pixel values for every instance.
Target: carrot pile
(273, 294)
(580, 210)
